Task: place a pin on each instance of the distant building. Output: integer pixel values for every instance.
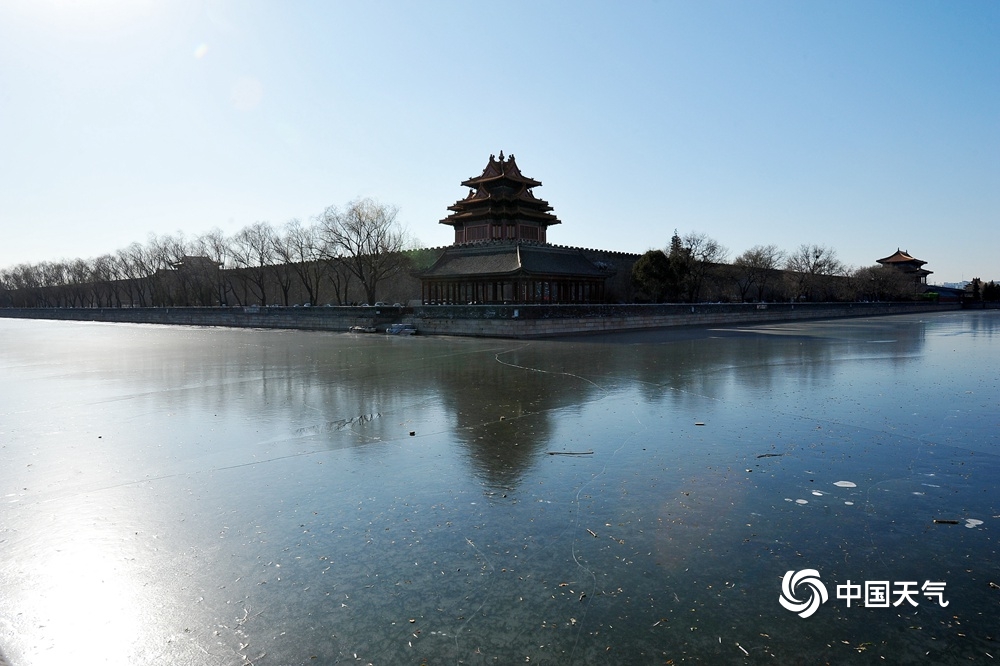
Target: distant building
(197, 265)
(910, 266)
(501, 253)
(194, 280)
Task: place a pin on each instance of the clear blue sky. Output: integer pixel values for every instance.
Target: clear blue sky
(864, 126)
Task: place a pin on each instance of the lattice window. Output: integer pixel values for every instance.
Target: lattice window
(477, 233)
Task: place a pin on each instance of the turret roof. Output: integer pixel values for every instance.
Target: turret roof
(901, 257)
(497, 169)
(501, 193)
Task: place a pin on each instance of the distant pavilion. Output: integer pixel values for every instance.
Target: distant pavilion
(501, 253)
(902, 261)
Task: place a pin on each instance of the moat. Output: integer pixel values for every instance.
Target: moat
(193, 495)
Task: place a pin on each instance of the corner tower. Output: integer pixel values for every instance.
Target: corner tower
(904, 262)
(501, 254)
(500, 207)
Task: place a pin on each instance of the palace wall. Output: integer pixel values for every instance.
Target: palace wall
(234, 287)
(506, 321)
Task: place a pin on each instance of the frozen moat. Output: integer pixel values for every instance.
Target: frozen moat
(211, 496)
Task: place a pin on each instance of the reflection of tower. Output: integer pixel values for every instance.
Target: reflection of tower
(502, 414)
(511, 407)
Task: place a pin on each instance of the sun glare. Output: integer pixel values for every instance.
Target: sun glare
(88, 607)
(88, 16)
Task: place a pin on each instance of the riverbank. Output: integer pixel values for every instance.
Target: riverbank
(489, 321)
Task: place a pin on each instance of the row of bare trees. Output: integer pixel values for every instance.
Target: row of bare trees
(348, 254)
(694, 267)
(814, 273)
(343, 252)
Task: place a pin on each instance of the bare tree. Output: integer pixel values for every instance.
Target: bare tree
(703, 255)
(216, 247)
(294, 252)
(756, 267)
(136, 265)
(280, 270)
(253, 253)
(107, 281)
(337, 271)
(881, 283)
(6, 289)
(168, 253)
(299, 248)
(810, 267)
(25, 284)
(79, 279)
(8, 296)
(369, 240)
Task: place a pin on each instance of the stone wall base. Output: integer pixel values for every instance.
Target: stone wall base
(508, 321)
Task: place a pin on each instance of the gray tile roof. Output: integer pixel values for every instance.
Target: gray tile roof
(508, 259)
